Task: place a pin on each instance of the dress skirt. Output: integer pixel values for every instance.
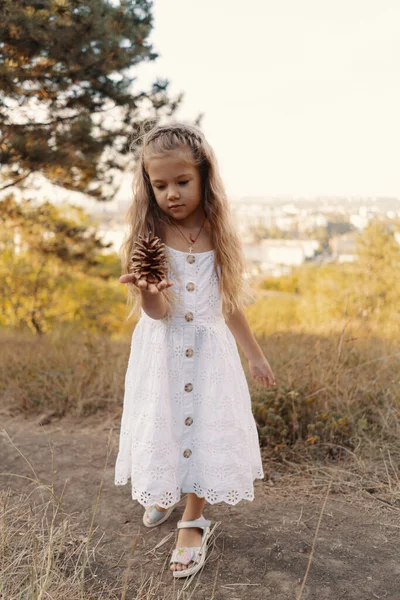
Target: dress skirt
(187, 423)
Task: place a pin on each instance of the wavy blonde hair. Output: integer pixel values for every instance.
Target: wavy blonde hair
(145, 217)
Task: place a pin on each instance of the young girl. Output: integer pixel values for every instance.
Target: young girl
(187, 424)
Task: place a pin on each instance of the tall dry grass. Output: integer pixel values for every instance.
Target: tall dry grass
(338, 386)
(338, 389)
(46, 553)
(43, 552)
(63, 373)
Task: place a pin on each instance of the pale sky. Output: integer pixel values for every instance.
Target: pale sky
(300, 96)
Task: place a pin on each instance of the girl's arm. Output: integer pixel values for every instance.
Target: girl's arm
(154, 305)
(240, 328)
(258, 364)
(153, 302)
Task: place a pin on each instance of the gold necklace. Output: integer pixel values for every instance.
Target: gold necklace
(191, 241)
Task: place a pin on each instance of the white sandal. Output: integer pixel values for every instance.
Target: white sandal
(196, 554)
(159, 515)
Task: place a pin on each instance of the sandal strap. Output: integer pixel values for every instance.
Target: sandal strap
(202, 523)
(159, 512)
(185, 555)
(155, 515)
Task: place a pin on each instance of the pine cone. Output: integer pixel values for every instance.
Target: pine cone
(148, 259)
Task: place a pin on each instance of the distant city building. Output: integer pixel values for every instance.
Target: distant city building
(254, 217)
(343, 247)
(311, 222)
(359, 221)
(276, 256)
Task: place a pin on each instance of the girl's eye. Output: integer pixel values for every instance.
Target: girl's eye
(162, 186)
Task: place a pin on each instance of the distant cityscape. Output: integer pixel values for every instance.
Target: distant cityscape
(279, 233)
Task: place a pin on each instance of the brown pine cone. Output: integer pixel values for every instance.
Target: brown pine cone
(148, 259)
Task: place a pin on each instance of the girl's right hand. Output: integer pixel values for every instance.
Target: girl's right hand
(144, 285)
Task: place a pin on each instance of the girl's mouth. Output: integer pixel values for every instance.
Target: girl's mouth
(176, 207)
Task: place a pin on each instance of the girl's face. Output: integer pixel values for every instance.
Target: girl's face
(176, 184)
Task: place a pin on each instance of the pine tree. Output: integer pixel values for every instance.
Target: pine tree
(69, 104)
(48, 231)
(53, 269)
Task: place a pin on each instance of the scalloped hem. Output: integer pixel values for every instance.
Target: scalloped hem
(170, 498)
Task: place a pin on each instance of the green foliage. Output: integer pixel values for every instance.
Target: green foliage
(342, 393)
(46, 230)
(287, 283)
(336, 389)
(274, 313)
(70, 66)
(379, 268)
(368, 289)
(288, 416)
(54, 272)
(108, 266)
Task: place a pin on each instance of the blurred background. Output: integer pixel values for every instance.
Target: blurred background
(300, 102)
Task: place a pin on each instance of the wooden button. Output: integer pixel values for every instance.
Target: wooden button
(189, 352)
(187, 453)
(189, 316)
(188, 387)
(188, 421)
(190, 286)
(190, 258)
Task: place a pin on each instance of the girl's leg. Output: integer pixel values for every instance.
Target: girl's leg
(192, 535)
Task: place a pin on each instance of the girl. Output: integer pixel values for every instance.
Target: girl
(187, 424)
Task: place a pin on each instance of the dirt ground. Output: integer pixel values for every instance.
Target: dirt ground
(259, 550)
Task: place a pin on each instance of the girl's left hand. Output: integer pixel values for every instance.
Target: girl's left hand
(261, 371)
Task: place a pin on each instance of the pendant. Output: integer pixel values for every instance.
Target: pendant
(190, 249)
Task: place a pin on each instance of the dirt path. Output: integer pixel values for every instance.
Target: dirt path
(260, 550)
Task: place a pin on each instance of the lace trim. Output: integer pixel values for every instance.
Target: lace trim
(170, 498)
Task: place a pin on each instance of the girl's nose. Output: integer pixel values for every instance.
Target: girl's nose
(173, 193)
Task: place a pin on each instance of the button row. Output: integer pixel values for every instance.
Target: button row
(189, 351)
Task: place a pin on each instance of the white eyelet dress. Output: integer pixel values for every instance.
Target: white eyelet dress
(187, 423)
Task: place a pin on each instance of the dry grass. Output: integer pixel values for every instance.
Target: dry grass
(42, 552)
(66, 374)
(340, 387)
(45, 553)
(371, 485)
